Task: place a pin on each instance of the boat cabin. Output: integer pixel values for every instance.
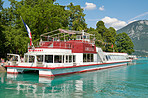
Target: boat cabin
(63, 48)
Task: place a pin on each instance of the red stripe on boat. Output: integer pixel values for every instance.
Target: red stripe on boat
(63, 67)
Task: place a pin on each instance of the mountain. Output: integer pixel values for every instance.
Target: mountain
(138, 32)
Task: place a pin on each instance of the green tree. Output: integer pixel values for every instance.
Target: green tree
(101, 27)
(112, 31)
(98, 36)
(113, 39)
(15, 40)
(109, 40)
(108, 36)
(76, 17)
(124, 43)
(40, 15)
(2, 36)
(91, 30)
(12, 37)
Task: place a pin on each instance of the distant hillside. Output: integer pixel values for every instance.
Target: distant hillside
(138, 32)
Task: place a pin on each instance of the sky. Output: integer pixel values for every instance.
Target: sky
(114, 13)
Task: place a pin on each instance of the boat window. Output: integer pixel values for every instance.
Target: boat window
(92, 57)
(109, 57)
(31, 59)
(39, 58)
(78, 37)
(67, 57)
(26, 58)
(88, 58)
(84, 58)
(15, 58)
(70, 58)
(49, 58)
(12, 58)
(87, 37)
(58, 59)
(74, 58)
(84, 37)
(106, 57)
(63, 59)
(117, 57)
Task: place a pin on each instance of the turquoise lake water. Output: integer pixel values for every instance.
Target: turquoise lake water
(129, 81)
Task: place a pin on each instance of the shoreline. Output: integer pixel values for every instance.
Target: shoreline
(2, 69)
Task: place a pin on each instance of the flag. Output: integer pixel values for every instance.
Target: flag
(29, 32)
(112, 46)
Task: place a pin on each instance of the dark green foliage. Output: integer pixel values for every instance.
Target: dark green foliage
(101, 27)
(105, 38)
(41, 16)
(16, 42)
(77, 20)
(108, 37)
(2, 36)
(124, 43)
(44, 16)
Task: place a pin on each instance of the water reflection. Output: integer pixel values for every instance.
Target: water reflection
(73, 85)
(114, 82)
(32, 85)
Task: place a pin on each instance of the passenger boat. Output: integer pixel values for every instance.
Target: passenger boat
(58, 54)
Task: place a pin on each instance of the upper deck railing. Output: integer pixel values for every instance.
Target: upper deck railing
(60, 37)
(55, 44)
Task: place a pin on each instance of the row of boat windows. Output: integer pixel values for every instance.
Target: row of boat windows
(51, 58)
(88, 58)
(115, 57)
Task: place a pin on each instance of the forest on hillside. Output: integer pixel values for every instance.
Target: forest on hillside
(138, 32)
(44, 16)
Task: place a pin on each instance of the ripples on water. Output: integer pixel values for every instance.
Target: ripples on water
(126, 81)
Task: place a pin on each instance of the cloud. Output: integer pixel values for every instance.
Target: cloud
(113, 22)
(90, 6)
(101, 8)
(131, 21)
(143, 14)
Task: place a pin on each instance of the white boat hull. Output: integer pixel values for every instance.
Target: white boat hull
(57, 71)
